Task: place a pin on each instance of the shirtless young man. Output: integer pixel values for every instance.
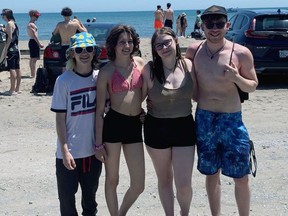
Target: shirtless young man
(159, 17)
(34, 43)
(169, 16)
(222, 139)
(67, 29)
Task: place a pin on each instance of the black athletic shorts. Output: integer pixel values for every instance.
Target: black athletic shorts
(122, 128)
(13, 60)
(162, 133)
(34, 49)
(63, 55)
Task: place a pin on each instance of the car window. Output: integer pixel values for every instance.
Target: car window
(99, 33)
(232, 20)
(271, 23)
(238, 22)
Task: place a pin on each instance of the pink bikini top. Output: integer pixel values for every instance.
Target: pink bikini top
(120, 84)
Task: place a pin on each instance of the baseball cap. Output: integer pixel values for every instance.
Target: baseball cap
(214, 10)
(83, 39)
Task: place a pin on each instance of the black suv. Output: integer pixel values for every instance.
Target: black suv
(265, 33)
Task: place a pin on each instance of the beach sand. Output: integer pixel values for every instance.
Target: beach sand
(27, 155)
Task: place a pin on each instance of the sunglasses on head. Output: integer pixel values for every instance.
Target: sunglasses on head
(219, 25)
(166, 43)
(88, 49)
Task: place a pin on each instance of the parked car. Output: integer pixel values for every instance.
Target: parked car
(51, 57)
(265, 34)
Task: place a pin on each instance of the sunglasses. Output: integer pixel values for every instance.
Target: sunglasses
(88, 49)
(211, 25)
(166, 43)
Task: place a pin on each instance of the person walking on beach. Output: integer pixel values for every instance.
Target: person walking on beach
(66, 29)
(34, 43)
(222, 139)
(158, 17)
(169, 16)
(11, 52)
(183, 24)
(198, 21)
(121, 128)
(169, 128)
(74, 102)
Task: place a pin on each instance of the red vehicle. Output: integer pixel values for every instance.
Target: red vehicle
(51, 56)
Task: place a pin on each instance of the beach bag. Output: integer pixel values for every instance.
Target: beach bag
(3, 36)
(41, 81)
(3, 65)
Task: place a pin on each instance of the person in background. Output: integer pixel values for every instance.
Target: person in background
(169, 16)
(34, 43)
(222, 139)
(158, 17)
(94, 19)
(121, 128)
(178, 25)
(183, 24)
(66, 29)
(74, 102)
(198, 21)
(169, 128)
(11, 52)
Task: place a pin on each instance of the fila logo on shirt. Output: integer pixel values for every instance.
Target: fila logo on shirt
(83, 101)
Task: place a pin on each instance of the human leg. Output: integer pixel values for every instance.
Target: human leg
(112, 176)
(32, 64)
(242, 195)
(134, 155)
(67, 183)
(89, 181)
(161, 159)
(18, 80)
(13, 77)
(213, 188)
(183, 160)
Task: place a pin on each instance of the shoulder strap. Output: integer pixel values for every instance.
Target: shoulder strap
(196, 52)
(242, 95)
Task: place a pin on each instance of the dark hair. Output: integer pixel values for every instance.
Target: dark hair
(168, 5)
(157, 64)
(198, 11)
(158, 6)
(9, 14)
(66, 11)
(113, 37)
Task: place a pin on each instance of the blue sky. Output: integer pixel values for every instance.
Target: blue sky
(23, 6)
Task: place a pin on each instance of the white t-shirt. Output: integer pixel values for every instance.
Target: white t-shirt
(76, 96)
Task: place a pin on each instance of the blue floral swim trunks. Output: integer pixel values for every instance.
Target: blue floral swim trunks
(222, 143)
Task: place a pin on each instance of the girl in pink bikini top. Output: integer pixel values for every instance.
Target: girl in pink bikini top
(119, 83)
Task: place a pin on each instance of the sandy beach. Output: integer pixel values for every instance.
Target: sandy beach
(27, 154)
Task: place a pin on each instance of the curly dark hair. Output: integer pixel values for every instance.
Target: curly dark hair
(66, 11)
(157, 64)
(113, 37)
